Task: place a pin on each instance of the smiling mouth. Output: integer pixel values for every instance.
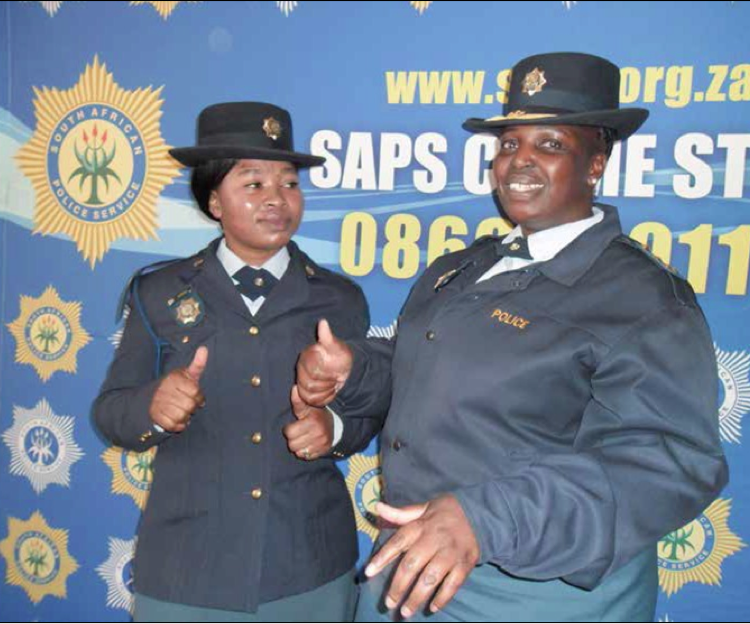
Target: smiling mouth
(519, 187)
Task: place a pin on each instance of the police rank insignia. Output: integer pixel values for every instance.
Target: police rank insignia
(132, 473)
(188, 308)
(97, 162)
(272, 128)
(365, 489)
(734, 368)
(37, 558)
(48, 334)
(534, 82)
(117, 573)
(695, 553)
(42, 447)
(165, 9)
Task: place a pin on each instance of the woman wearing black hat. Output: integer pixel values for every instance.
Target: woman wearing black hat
(249, 519)
(552, 394)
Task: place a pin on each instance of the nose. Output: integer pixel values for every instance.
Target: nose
(274, 196)
(523, 157)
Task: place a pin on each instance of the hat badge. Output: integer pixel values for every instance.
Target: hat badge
(272, 128)
(534, 82)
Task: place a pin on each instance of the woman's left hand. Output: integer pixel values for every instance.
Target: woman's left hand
(311, 436)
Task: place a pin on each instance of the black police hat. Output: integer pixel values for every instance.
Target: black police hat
(564, 88)
(244, 130)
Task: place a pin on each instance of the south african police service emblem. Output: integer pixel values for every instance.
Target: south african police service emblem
(37, 558)
(534, 82)
(49, 334)
(695, 553)
(42, 447)
(117, 573)
(97, 162)
(188, 308)
(132, 473)
(365, 489)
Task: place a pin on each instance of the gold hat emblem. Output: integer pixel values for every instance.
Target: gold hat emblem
(534, 82)
(272, 128)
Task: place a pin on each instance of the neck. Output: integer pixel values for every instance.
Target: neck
(252, 257)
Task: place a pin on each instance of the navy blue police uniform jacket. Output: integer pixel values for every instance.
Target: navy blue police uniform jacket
(570, 407)
(234, 518)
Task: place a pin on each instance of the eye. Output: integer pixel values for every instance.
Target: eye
(292, 184)
(552, 144)
(253, 185)
(507, 145)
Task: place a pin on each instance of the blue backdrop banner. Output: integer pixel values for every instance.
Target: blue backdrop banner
(381, 90)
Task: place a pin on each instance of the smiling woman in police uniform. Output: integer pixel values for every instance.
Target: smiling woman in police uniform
(249, 519)
(552, 394)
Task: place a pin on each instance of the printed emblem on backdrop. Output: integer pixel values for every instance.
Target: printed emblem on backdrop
(49, 334)
(97, 162)
(365, 488)
(695, 553)
(37, 558)
(287, 7)
(389, 332)
(569, 4)
(132, 473)
(117, 573)
(41, 446)
(116, 338)
(50, 7)
(734, 369)
(421, 7)
(165, 9)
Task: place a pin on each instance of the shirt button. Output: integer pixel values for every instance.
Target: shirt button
(397, 445)
(431, 335)
(257, 438)
(254, 331)
(257, 494)
(255, 381)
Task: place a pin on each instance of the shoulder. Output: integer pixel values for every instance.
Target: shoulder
(644, 274)
(323, 278)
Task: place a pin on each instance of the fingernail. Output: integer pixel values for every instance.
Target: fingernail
(434, 608)
(370, 570)
(390, 602)
(407, 612)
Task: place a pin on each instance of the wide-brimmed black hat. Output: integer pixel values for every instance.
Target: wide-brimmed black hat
(244, 130)
(564, 88)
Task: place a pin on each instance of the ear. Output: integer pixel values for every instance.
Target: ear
(597, 166)
(214, 206)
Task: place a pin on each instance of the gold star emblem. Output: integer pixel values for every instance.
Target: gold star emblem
(534, 82)
(272, 128)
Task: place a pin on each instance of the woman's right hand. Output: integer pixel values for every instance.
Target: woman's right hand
(179, 395)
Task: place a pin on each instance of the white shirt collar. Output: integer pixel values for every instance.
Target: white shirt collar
(276, 265)
(546, 244)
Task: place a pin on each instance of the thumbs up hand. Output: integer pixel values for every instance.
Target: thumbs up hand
(323, 368)
(179, 394)
(311, 435)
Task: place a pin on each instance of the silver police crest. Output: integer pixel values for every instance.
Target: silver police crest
(42, 446)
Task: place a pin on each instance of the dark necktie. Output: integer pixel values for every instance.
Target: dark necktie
(517, 248)
(254, 283)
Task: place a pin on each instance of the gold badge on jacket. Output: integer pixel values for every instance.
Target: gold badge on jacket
(188, 307)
